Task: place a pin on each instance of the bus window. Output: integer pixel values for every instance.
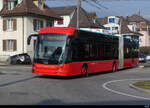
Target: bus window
(79, 50)
(83, 49)
(93, 51)
(74, 53)
(51, 48)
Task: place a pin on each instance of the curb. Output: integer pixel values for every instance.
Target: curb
(19, 66)
(139, 89)
(144, 66)
(141, 66)
(4, 65)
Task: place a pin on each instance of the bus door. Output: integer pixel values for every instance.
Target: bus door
(121, 52)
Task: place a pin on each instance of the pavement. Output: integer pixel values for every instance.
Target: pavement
(19, 86)
(145, 65)
(141, 65)
(3, 64)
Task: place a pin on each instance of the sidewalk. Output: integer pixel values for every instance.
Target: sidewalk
(141, 65)
(144, 65)
(3, 64)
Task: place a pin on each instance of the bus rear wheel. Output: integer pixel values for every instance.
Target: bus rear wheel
(114, 68)
(84, 71)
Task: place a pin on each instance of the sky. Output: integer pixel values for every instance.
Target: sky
(114, 7)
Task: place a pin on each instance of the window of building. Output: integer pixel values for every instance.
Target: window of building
(107, 28)
(34, 44)
(148, 31)
(40, 5)
(9, 24)
(12, 4)
(111, 20)
(114, 28)
(60, 22)
(37, 24)
(49, 23)
(9, 45)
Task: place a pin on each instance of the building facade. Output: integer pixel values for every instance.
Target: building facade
(141, 25)
(112, 25)
(19, 19)
(115, 25)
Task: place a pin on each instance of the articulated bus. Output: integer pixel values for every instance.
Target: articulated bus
(67, 51)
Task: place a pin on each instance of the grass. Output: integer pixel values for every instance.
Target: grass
(143, 84)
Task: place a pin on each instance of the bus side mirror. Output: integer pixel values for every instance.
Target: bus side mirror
(30, 37)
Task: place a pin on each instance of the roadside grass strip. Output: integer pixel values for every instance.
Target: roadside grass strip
(105, 86)
(143, 84)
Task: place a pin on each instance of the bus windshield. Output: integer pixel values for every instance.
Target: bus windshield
(50, 48)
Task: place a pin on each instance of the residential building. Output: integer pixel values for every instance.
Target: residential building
(19, 19)
(69, 15)
(141, 25)
(112, 25)
(115, 24)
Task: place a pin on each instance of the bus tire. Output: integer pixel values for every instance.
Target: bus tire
(84, 71)
(114, 68)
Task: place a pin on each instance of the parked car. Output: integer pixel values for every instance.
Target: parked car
(142, 58)
(19, 59)
(148, 57)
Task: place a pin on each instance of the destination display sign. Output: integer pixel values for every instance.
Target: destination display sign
(53, 37)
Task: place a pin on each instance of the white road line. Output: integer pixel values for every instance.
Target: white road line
(121, 93)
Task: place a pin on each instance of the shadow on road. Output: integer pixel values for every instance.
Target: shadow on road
(77, 77)
(119, 102)
(17, 81)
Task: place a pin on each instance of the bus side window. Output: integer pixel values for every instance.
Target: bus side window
(74, 50)
(80, 50)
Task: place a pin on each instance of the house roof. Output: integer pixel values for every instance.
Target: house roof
(124, 24)
(103, 21)
(92, 16)
(136, 18)
(27, 7)
(65, 10)
(86, 19)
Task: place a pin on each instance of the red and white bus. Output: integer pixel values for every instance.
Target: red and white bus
(67, 51)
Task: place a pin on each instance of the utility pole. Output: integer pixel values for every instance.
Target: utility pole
(78, 12)
(120, 26)
(139, 12)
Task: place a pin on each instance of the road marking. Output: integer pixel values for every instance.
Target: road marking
(121, 93)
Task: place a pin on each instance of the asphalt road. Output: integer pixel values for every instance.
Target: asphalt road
(18, 86)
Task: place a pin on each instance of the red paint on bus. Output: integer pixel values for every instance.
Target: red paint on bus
(64, 30)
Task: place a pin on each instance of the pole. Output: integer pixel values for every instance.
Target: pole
(78, 12)
(139, 12)
(120, 26)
